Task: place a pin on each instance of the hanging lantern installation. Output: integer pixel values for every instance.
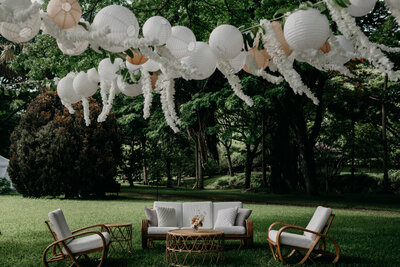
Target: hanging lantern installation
(394, 3)
(226, 41)
(78, 47)
(83, 86)
(360, 8)
(65, 13)
(181, 42)
(65, 89)
(157, 29)
(238, 62)
(203, 60)
(277, 27)
(260, 57)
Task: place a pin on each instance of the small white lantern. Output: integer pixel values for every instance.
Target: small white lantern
(157, 29)
(131, 67)
(394, 3)
(238, 62)
(151, 66)
(65, 13)
(83, 86)
(360, 8)
(108, 70)
(79, 47)
(93, 75)
(226, 41)
(131, 90)
(181, 42)
(306, 29)
(203, 60)
(65, 89)
(121, 22)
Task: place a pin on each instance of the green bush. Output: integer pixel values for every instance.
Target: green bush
(237, 181)
(394, 177)
(4, 185)
(360, 183)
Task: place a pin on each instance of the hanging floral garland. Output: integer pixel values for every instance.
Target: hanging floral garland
(147, 92)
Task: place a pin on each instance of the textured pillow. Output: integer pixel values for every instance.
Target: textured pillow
(226, 217)
(151, 215)
(242, 215)
(166, 217)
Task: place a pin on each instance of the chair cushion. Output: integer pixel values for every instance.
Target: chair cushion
(188, 228)
(60, 226)
(291, 239)
(190, 209)
(176, 205)
(226, 217)
(232, 230)
(318, 221)
(151, 215)
(87, 243)
(166, 217)
(160, 230)
(224, 205)
(241, 217)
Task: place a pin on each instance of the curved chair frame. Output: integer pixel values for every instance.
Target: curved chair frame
(58, 244)
(320, 237)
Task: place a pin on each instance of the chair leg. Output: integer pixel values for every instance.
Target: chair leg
(273, 251)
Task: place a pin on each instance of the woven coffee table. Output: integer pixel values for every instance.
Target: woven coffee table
(186, 247)
(121, 235)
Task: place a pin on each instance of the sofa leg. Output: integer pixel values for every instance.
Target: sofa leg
(249, 242)
(144, 242)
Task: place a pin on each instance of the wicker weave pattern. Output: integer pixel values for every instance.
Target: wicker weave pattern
(121, 236)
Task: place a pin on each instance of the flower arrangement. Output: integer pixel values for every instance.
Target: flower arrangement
(197, 221)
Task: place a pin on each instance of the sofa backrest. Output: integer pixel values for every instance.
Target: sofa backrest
(224, 205)
(190, 209)
(176, 205)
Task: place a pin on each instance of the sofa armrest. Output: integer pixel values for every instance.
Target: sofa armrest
(145, 226)
(249, 227)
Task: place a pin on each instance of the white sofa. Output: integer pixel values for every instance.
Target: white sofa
(185, 211)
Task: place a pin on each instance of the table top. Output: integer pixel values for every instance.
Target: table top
(190, 232)
(117, 224)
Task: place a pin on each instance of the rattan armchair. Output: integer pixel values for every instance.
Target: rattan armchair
(74, 244)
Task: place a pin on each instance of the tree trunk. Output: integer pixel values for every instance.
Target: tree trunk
(353, 137)
(196, 157)
(228, 156)
(179, 178)
(384, 143)
(249, 166)
(168, 170)
(145, 174)
(263, 157)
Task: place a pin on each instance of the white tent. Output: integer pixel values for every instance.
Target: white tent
(3, 169)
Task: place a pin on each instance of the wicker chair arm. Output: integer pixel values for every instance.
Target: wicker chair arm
(278, 223)
(296, 227)
(92, 226)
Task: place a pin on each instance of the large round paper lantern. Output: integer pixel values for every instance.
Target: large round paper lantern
(151, 66)
(121, 22)
(394, 3)
(182, 41)
(65, 89)
(238, 62)
(79, 46)
(83, 86)
(360, 8)
(226, 41)
(137, 59)
(65, 13)
(203, 60)
(131, 90)
(277, 28)
(21, 32)
(305, 29)
(157, 29)
(261, 57)
(93, 75)
(108, 70)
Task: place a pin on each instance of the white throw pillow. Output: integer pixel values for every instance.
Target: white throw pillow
(166, 217)
(226, 217)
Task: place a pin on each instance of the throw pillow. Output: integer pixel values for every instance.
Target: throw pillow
(241, 217)
(226, 217)
(166, 217)
(151, 215)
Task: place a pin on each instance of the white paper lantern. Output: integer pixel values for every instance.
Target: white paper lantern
(181, 42)
(157, 29)
(108, 70)
(226, 41)
(131, 90)
(360, 8)
(83, 86)
(93, 75)
(23, 31)
(238, 62)
(203, 60)
(131, 67)
(394, 3)
(121, 22)
(347, 46)
(65, 89)
(151, 66)
(65, 13)
(305, 29)
(79, 47)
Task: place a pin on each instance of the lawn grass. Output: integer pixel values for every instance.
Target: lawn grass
(366, 237)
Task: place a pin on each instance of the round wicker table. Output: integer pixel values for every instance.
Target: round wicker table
(187, 248)
(121, 236)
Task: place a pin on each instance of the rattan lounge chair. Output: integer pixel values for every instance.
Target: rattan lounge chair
(74, 244)
(312, 241)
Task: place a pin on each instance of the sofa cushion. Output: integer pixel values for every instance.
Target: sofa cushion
(224, 205)
(176, 205)
(151, 216)
(87, 243)
(188, 228)
(60, 226)
(318, 221)
(241, 217)
(232, 230)
(291, 239)
(190, 209)
(226, 217)
(160, 230)
(166, 217)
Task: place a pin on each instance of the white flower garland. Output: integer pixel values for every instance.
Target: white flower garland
(147, 92)
(86, 110)
(164, 86)
(229, 73)
(347, 25)
(283, 63)
(68, 106)
(107, 107)
(7, 15)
